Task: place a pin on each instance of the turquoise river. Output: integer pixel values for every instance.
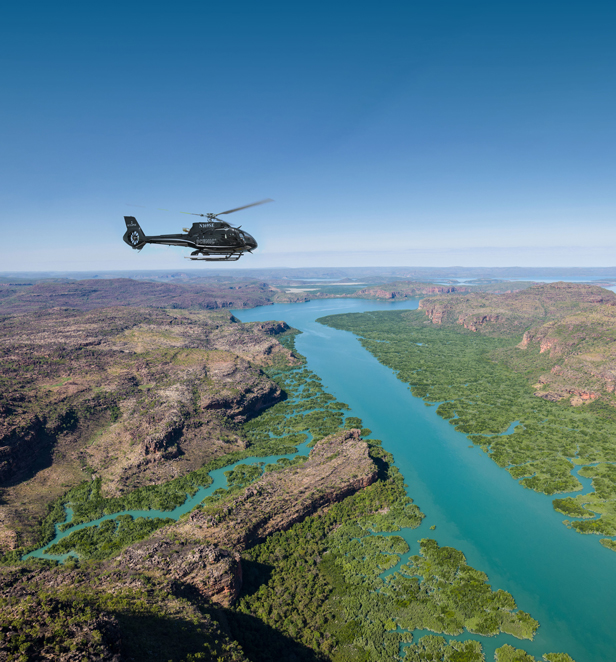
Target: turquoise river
(565, 580)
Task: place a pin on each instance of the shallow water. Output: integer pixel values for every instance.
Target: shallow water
(219, 480)
(565, 580)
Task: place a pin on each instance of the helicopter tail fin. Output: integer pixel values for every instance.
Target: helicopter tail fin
(134, 235)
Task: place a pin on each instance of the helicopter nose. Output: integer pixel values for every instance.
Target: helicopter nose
(250, 241)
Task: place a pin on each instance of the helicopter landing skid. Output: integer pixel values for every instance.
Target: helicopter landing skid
(226, 258)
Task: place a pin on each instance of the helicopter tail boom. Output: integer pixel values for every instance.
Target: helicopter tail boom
(134, 235)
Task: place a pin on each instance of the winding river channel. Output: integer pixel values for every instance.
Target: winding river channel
(565, 580)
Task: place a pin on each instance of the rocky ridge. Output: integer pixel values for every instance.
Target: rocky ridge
(135, 396)
(568, 337)
(216, 573)
(337, 466)
(404, 290)
(184, 571)
(501, 314)
(109, 292)
(104, 614)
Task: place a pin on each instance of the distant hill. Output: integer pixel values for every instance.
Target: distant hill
(99, 293)
(569, 335)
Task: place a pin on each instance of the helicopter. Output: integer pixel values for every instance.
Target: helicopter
(213, 239)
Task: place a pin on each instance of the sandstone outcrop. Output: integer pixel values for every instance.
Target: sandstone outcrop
(406, 289)
(238, 404)
(514, 312)
(106, 613)
(436, 310)
(216, 573)
(573, 325)
(135, 396)
(193, 551)
(337, 466)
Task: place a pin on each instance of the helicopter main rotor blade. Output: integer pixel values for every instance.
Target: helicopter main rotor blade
(229, 211)
(252, 204)
(128, 204)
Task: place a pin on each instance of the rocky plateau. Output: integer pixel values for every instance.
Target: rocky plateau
(203, 550)
(568, 335)
(135, 396)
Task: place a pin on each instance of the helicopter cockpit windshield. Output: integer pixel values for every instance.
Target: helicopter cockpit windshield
(249, 239)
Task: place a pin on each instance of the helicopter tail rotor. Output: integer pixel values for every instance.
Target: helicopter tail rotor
(134, 235)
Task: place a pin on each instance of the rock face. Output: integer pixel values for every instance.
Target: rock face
(406, 289)
(473, 323)
(435, 310)
(216, 573)
(502, 314)
(105, 613)
(239, 404)
(271, 328)
(135, 396)
(572, 325)
(21, 444)
(578, 397)
(337, 466)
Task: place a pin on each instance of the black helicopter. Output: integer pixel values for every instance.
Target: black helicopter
(214, 240)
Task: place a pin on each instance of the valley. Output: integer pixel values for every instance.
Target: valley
(135, 410)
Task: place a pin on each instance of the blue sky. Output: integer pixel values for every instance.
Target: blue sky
(428, 133)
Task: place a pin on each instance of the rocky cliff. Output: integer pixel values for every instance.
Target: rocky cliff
(503, 314)
(578, 356)
(157, 599)
(216, 573)
(568, 331)
(190, 551)
(135, 396)
(337, 466)
(106, 614)
(406, 289)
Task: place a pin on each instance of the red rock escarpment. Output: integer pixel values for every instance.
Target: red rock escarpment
(216, 573)
(435, 310)
(513, 312)
(337, 467)
(406, 290)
